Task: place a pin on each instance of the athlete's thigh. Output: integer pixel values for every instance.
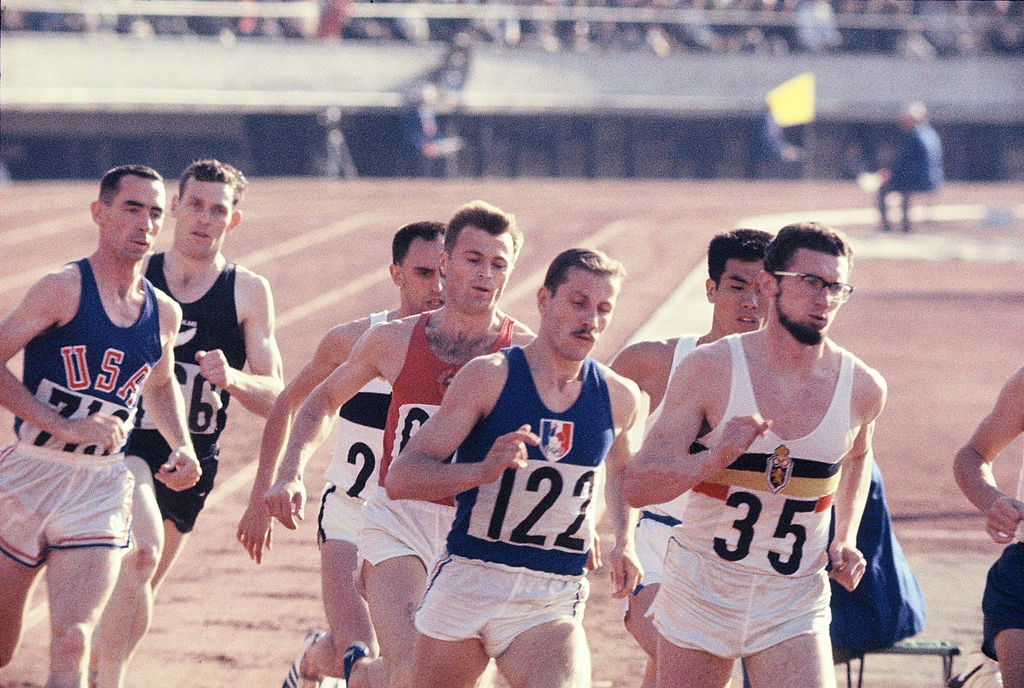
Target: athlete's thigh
(342, 602)
(639, 624)
(1010, 650)
(147, 524)
(447, 663)
(394, 589)
(14, 593)
(803, 661)
(550, 655)
(79, 582)
(682, 666)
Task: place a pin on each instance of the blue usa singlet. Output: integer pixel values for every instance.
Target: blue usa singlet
(90, 365)
(539, 517)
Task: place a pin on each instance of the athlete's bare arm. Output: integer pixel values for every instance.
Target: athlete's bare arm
(663, 468)
(972, 465)
(50, 302)
(380, 352)
(649, 365)
(629, 412)
(848, 565)
(257, 388)
(254, 528)
(166, 405)
(419, 471)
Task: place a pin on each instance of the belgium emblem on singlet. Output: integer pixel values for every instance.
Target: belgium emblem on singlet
(779, 469)
(555, 438)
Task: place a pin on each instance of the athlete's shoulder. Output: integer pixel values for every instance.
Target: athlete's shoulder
(170, 310)
(483, 376)
(55, 296)
(640, 359)
(869, 386)
(251, 288)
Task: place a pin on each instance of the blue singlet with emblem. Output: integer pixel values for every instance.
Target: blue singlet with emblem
(539, 517)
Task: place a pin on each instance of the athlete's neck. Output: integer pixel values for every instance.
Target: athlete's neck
(456, 337)
(189, 278)
(114, 276)
(556, 378)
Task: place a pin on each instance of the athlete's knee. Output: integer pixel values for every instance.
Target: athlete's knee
(142, 561)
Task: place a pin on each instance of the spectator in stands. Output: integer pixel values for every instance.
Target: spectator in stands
(425, 151)
(918, 164)
(816, 29)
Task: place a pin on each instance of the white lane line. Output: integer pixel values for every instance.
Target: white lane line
(251, 259)
(71, 221)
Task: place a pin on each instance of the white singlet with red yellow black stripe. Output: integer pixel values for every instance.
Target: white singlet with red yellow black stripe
(769, 510)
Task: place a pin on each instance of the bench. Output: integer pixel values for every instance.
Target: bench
(939, 648)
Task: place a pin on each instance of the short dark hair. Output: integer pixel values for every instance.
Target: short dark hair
(485, 216)
(815, 236)
(587, 259)
(111, 181)
(427, 230)
(747, 245)
(210, 170)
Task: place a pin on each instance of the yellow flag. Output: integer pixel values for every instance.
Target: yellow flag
(792, 102)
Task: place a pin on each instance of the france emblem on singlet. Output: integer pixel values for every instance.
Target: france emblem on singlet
(555, 438)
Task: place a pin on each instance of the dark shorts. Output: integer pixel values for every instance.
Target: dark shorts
(182, 508)
(1003, 601)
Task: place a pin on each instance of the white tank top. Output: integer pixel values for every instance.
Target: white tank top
(684, 346)
(355, 465)
(769, 510)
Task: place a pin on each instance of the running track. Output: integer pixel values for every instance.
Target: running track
(939, 313)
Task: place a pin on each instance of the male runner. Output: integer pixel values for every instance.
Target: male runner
(734, 261)
(1003, 601)
(398, 540)
(93, 333)
(530, 428)
(227, 323)
(785, 408)
(354, 469)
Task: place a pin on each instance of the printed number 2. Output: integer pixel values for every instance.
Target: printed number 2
(783, 529)
(360, 449)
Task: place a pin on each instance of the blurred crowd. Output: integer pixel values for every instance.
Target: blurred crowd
(919, 28)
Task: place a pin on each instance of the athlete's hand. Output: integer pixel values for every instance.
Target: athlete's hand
(181, 470)
(101, 429)
(594, 555)
(848, 564)
(625, 570)
(255, 529)
(737, 436)
(1002, 517)
(508, 451)
(214, 367)
(285, 501)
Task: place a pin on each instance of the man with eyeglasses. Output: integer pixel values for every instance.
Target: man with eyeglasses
(783, 409)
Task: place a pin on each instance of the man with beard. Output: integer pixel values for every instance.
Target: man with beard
(784, 409)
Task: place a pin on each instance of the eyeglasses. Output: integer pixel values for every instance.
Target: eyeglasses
(840, 291)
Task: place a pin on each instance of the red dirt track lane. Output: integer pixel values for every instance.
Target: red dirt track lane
(945, 334)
